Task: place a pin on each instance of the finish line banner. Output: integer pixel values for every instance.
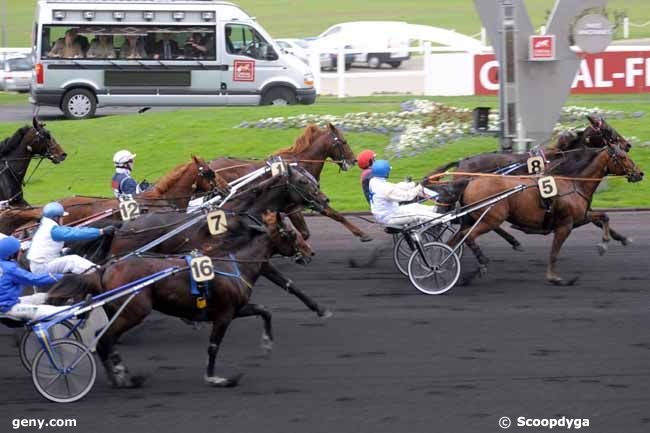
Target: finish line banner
(608, 72)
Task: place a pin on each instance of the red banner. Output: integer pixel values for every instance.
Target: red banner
(609, 72)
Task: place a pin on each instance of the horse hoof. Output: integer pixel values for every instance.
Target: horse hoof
(627, 241)
(223, 382)
(365, 238)
(137, 382)
(352, 263)
(267, 344)
(482, 271)
(518, 247)
(325, 314)
(602, 248)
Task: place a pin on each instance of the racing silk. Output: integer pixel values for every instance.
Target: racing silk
(13, 277)
(366, 175)
(123, 184)
(385, 197)
(48, 241)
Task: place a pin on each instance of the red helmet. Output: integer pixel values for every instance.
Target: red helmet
(365, 158)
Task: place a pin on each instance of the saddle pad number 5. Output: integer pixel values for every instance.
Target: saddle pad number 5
(547, 187)
(278, 168)
(217, 222)
(535, 164)
(129, 209)
(202, 269)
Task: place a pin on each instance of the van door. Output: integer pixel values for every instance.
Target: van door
(251, 60)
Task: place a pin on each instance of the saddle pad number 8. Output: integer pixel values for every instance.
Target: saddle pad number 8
(535, 164)
(217, 222)
(129, 209)
(547, 187)
(202, 269)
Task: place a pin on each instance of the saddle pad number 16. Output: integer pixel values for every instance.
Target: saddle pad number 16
(202, 269)
(535, 164)
(547, 187)
(129, 209)
(217, 222)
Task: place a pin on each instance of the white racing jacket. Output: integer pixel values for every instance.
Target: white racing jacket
(386, 196)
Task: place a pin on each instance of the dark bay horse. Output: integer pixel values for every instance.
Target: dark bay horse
(17, 151)
(597, 134)
(569, 209)
(173, 190)
(243, 252)
(311, 151)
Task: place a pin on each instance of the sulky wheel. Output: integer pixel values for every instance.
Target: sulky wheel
(402, 251)
(71, 378)
(439, 273)
(30, 346)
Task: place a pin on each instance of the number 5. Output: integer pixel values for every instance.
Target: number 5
(547, 187)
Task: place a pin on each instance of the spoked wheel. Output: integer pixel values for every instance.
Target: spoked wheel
(402, 251)
(439, 273)
(30, 346)
(71, 378)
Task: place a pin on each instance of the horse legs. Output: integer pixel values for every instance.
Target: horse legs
(483, 261)
(116, 371)
(271, 273)
(259, 310)
(614, 234)
(331, 213)
(516, 245)
(298, 221)
(603, 223)
(219, 328)
(561, 233)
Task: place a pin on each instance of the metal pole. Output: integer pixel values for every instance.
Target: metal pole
(507, 77)
(4, 31)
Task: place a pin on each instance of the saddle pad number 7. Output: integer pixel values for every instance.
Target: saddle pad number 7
(129, 209)
(202, 269)
(535, 164)
(217, 222)
(547, 187)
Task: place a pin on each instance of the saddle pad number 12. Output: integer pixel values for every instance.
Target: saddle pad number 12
(278, 168)
(535, 164)
(547, 187)
(202, 269)
(129, 209)
(217, 222)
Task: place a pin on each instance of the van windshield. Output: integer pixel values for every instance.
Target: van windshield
(128, 42)
(246, 41)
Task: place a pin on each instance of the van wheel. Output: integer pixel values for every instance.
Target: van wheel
(374, 62)
(279, 96)
(79, 104)
(395, 65)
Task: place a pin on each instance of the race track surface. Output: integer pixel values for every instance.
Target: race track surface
(392, 359)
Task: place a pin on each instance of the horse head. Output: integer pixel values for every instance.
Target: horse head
(41, 142)
(599, 134)
(619, 163)
(286, 242)
(339, 149)
(207, 180)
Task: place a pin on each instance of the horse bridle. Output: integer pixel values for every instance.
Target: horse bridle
(209, 175)
(612, 151)
(338, 145)
(40, 136)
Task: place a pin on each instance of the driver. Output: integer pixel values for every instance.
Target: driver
(364, 161)
(122, 182)
(44, 254)
(13, 277)
(385, 198)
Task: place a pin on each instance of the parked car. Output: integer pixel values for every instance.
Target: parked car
(296, 47)
(16, 73)
(372, 39)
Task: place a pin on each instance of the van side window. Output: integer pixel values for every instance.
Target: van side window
(128, 42)
(244, 40)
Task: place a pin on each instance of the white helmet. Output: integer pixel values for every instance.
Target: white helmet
(122, 158)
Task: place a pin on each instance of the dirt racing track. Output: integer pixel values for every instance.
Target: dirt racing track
(392, 359)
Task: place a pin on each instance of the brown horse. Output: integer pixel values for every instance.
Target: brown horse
(311, 150)
(569, 209)
(596, 135)
(173, 190)
(227, 296)
(17, 151)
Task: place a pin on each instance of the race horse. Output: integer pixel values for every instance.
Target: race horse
(311, 150)
(238, 264)
(17, 151)
(174, 190)
(570, 208)
(597, 134)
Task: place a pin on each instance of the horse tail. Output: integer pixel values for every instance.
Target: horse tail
(76, 287)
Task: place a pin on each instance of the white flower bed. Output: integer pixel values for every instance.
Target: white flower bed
(421, 124)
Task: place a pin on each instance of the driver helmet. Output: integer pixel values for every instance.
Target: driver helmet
(365, 159)
(123, 159)
(381, 168)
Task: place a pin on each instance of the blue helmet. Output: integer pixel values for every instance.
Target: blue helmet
(53, 210)
(8, 247)
(381, 168)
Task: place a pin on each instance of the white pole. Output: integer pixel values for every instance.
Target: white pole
(483, 37)
(542, 30)
(314, 65)
(626, 27)
(428, 69)
(5, 42)
(340, 68)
